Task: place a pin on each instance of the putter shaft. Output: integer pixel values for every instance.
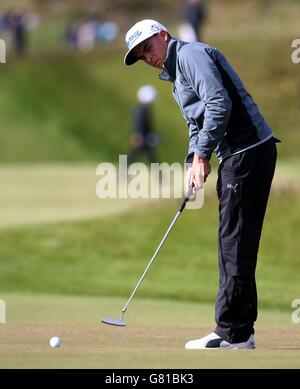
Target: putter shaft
(181, 208)
(149, 265)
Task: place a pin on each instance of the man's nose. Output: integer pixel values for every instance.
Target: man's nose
(149, 58)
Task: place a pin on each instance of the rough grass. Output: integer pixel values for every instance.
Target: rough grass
(106, 256)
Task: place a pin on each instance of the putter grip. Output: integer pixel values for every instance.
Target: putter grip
(186, 198)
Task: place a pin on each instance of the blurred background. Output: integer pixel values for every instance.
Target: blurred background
(66, 105)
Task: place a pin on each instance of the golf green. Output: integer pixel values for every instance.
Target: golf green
(154, 337)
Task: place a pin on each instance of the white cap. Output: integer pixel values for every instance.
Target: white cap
(146, 94)
(137, 34)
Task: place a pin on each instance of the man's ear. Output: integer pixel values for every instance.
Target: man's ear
(164, 35)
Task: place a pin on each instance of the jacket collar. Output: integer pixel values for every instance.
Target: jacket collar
(169, 70)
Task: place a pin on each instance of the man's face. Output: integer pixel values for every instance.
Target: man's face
(153, 50)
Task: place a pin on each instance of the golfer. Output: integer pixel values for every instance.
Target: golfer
(222, 118)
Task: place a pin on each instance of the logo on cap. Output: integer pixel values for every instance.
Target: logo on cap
(154, 28)
(133, 38)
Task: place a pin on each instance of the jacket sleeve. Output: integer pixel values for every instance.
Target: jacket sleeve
(202, 74)
(193, 137)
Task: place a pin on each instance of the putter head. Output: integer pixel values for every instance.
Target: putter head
(113, 322)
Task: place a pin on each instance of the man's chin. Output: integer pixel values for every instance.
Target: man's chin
(158, 66)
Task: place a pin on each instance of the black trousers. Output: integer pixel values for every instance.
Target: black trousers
(243, 187)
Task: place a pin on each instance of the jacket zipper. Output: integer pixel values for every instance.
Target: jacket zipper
(176, 93)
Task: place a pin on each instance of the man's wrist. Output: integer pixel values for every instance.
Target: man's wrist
(199, 158)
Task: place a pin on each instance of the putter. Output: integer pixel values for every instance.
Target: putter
(121, 322)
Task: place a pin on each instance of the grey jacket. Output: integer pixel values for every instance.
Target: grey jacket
(221, 115)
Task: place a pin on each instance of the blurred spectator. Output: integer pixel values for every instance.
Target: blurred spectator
(2, 21)
(86, 39)
(194, 15)
(86, 35)
(187, 33)
(107, 32)
(16, 23)
(72, 34)
(144, 139)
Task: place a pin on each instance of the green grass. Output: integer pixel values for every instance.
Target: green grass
(106, 256)
(67, 258)
(156, 331)
(54, 192)
(42, 193)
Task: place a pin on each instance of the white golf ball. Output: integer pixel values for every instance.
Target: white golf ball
(55, 341)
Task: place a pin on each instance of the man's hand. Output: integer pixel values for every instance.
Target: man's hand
(197, 173)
